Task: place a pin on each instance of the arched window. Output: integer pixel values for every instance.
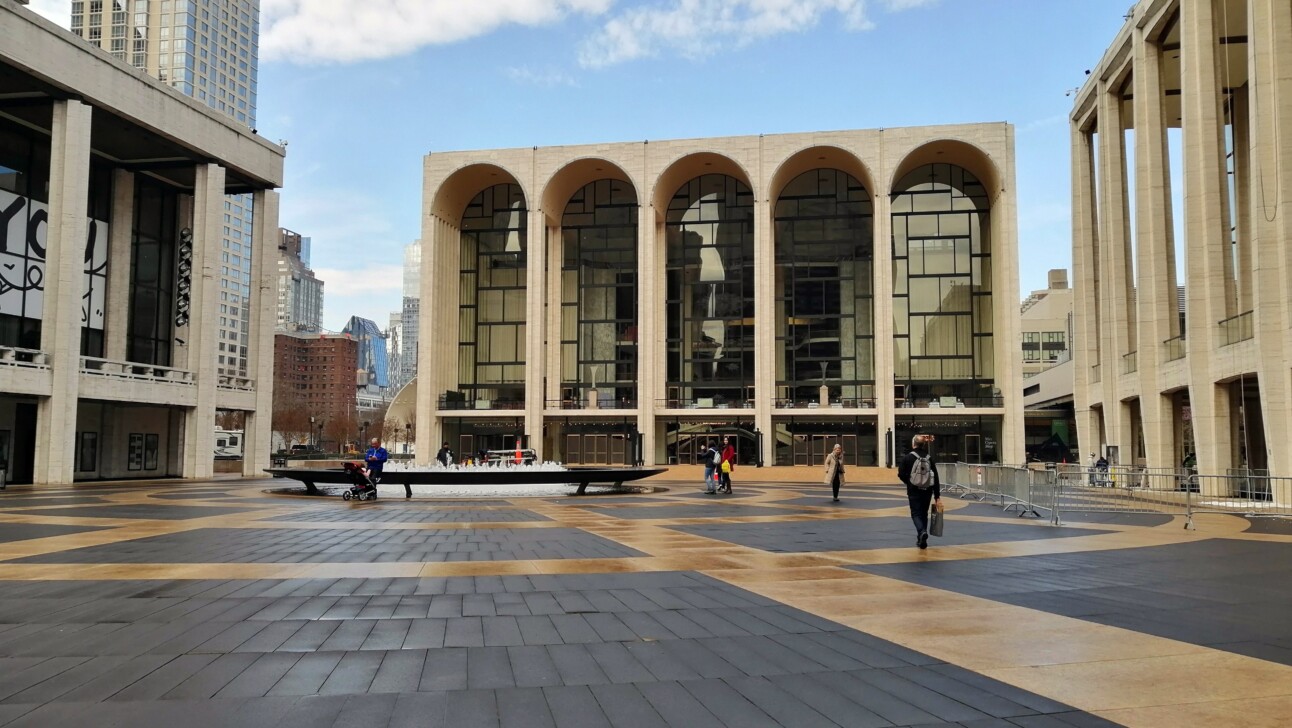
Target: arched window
(824, 289)
(942, 305)
(599, 294)
(491, 309)
(710, 297)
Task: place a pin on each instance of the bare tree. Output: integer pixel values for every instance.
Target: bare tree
(393, 428)
(343, 428)
(291, 418)
(230, 419)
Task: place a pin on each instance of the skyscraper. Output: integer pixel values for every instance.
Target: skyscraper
(207, 49)
(411, 314)
(300, 293)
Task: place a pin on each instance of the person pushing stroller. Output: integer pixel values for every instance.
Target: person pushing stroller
(361, 486)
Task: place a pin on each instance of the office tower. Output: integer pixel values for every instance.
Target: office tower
(207, 49)
(300, 293)
(410, 317)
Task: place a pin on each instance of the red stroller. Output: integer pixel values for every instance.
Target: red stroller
(362, 487)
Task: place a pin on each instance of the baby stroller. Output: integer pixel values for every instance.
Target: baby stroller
(362, 487)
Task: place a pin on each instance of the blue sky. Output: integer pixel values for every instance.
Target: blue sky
(361, 91)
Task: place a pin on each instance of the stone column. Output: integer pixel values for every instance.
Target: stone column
(535, 270)
(263, 317)
(60, 335)
(120, 238)
(765, 349)
(200, 334)
(649, 322)
(1155, 253)
(1206, 231)
(1005, 326)
(1115, 281)
(882, 310)
(1269, 60)
(437, 330)
(1085, 348)
(554, 291)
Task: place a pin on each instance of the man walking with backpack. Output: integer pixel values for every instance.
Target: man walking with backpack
(918, 471)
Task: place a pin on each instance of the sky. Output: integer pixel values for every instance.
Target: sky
(362, 90)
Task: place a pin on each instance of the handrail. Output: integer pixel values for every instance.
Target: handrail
(1236, 328)
(1175, 348)
(19, 357)
(135, 370)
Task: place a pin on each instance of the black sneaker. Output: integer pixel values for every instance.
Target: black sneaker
(923, 541)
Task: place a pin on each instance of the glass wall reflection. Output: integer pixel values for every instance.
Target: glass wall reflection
(824, 290)
(710, 296)
(942, 305)
(599, 296)
(491, 304)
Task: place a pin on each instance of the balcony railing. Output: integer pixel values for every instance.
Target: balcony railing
(12, 356)
(1236, 328)
(237, 384)
(135, 371)
(952, 402)
(447, 403)
(584, 404)
(1094, 374)
(703, 403)
(837, 403)
(1175, 348)
(1130, 362)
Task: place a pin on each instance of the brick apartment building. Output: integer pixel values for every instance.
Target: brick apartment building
(314, 376)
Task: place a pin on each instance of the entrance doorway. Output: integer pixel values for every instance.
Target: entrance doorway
(22, 457)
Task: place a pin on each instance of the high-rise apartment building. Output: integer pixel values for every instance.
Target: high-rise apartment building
(300, 293)
(207, 49)
(411, 313)
(394, 354)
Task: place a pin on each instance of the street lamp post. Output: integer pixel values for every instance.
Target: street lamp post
(313, 444)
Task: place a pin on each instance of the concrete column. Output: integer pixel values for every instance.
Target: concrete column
(60, 335)
(433, 336)
(535, 328)
(1085, 347)
(262, 319)
(200, 334)
(1269, 64)
(554, 292)
(1006, 332)
(1115, 279)
(1155, 253)
(1206, 229)
(765, 350)
(882, 285)
(120, 237)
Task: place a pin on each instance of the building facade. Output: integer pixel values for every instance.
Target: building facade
(372, 370)
(300, 293)
(314, 389)
(209, 50)
(394, 351)
(408, 320)
(1046, 322)
(1202, 86)
(112, 190)
(627, 302)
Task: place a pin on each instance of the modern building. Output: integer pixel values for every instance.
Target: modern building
(300, 292)
(372, 369)
(209, 50)
(394, 352)
(629, 301)
(1046, 321)
(314, 388)
(112, 191)
(1201, 87)
(411, 312)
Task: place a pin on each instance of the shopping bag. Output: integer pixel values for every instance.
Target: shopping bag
(726, 466)
(935, 521)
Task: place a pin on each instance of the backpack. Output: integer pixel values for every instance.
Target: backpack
(921, 472)
(717, 457)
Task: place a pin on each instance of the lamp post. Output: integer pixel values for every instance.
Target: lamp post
(313, 444)
(363, 434)
(320, 437)
(408, 437)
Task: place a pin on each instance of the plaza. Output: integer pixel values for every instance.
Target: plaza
(215, 603)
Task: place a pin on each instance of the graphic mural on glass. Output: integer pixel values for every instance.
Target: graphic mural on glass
(710, 294)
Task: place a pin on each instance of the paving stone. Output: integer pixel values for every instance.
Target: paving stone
(532, 667)
(523, 708)
(576, 665)
(445, 669)
(489, 668)
(575, 707)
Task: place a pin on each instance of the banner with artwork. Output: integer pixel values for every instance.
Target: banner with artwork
(23, 227)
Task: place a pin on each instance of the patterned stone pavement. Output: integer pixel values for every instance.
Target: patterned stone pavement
(217, 604)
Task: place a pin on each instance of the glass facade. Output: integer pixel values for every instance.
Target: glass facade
(824, 288)
(710, 294)
(942, 304)
(152, 274)
(492, 298)
(599, 295)
(807, 440)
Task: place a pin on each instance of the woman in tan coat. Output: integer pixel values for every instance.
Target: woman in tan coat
(834, 469)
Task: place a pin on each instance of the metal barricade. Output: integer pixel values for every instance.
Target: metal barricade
(1119, 489)
(1008, 486)
(1242, 493)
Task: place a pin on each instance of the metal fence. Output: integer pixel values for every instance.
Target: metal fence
(1059, 489)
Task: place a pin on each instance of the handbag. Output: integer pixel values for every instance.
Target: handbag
(726, 466)
(936, 518)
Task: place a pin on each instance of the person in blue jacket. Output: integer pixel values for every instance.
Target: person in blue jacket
(375, 460)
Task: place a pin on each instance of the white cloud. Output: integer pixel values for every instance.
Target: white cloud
(696, 28)
(314, 31)
(59, 11)
(371, 291)
(533, 77)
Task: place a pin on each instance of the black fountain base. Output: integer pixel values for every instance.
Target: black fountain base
(579, 477)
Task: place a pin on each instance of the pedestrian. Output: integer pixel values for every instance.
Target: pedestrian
(710, 458)
(1091, 478)
(375, 460)
(727, 464)
(445, 455)
(834, 470)
(920, 475)
(1101, 468)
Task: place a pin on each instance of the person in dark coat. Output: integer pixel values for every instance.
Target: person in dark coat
(445, 455)
(918, 497)
(727, 464)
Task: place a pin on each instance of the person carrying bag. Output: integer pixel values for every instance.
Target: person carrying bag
(920, 475)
